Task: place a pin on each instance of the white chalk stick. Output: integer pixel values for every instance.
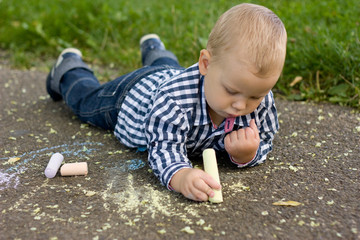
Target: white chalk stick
(73, 169)
(53, 165)
(210, 166)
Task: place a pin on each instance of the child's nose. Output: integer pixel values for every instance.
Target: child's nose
(240, 104)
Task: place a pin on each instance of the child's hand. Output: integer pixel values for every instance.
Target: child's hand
(194, 184)
(243, 143)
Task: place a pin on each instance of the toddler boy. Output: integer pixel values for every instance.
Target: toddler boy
(223, 102)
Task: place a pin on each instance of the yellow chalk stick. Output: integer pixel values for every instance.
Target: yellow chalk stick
(210, 166)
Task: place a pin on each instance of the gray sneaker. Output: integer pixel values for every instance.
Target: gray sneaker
(68, 59)
(148, 43)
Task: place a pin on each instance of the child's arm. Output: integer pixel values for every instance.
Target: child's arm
(166, 131)
(194, 184)
(243, 144)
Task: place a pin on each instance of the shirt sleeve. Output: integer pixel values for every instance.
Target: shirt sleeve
(267, 123)
(166, 131)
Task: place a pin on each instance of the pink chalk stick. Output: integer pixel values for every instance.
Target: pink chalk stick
(73, 169)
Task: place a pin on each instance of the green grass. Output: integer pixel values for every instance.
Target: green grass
(323, 46)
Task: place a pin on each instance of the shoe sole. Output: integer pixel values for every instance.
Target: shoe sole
(71, 50)
(148, 36)
(54, 95)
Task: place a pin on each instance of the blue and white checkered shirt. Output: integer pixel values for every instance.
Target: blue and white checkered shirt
(166, 112)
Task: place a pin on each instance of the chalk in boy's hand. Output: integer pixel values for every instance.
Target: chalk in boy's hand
(211, 167)
(195, 184)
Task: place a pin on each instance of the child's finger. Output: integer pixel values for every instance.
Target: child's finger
(232, 137)
(227, 141)
(253, 125)
(255, 131)
(201, 191)
(209, 183)
(197, 196)
(241, 134)
(190, 196)
(249, 132)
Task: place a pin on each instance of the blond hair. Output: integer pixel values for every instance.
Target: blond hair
(257, 30)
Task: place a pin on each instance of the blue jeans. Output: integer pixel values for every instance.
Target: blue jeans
(99, 104)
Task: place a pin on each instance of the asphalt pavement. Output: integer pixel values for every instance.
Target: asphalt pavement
(309, 188)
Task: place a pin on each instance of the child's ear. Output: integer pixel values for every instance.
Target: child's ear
(204, 61)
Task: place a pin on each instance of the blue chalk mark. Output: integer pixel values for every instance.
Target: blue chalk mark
(135, 164)
(8, 179)
(67, 152)
(9, 176)
(127, 165)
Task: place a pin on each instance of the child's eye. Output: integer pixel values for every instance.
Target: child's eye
(230, 91)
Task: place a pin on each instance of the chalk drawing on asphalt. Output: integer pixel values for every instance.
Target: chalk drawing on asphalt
(9, 177)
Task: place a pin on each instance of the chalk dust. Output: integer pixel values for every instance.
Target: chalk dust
(146, 200)
(238, 187)
(142, 200)
(135, 201)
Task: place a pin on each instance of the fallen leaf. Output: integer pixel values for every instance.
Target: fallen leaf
(208, 228)
(292, 168)
(200, 222)
(301, 222)
(314, 224)
(37, 210)
(53, 206)
(89, 193)
(296, 80)
(84, 125)
(162, 231)
(264, 213)
(188, 230)
(287, 203)
(52, 131)
(13, 160)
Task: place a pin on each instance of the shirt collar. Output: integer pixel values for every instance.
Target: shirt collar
(202, 117)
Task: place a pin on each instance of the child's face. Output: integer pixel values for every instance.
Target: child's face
(231, 88)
